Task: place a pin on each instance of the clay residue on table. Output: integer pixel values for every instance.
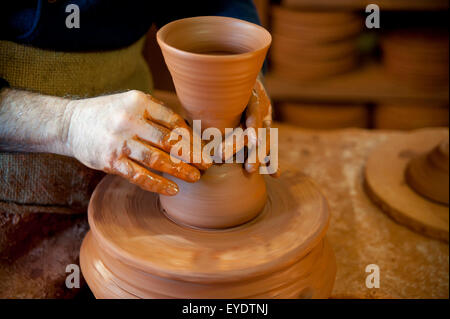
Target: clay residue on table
(411, 265)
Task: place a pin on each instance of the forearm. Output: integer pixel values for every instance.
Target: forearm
(31, 122)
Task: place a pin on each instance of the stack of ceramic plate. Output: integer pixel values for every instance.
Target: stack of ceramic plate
(313, 44)
(321, 116)
(418, 57)
(410, 116)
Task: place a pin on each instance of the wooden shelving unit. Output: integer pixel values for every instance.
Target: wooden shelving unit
(407, 5)
(366, 84)
(369, 83)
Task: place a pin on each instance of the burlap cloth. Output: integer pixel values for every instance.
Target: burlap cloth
(50, 183)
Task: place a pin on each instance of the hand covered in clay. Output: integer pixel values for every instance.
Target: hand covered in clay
(258, 114)
(127, 134)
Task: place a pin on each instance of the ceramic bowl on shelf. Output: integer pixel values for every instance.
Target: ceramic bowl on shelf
(294, 49)
(305, 70)
(410, 116)
(323, 116)
(419, 57)
(311, 17)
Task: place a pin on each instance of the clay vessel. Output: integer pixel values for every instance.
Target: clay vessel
(428, 174)
(214, 62)
(225, 196)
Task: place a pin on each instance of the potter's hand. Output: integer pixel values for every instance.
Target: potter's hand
(126, 134)
(257, 115)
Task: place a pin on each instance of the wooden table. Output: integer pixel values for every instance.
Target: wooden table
(411, 265)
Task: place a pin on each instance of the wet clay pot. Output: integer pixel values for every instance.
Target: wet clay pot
(214, 62)
(225, 196)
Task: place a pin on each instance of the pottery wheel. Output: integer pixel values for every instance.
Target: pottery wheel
(133, 249)
(386, 184)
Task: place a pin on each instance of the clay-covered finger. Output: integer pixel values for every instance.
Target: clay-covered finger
(165, 139)
(228, 147)
(268, 150)
(277, 173)
(262, 150)
(267, 144)
(253, 117)
(265, 105)
(251, 167)
(157, 112)
(259, 109)
(156, 159)
(144, 178)
(267, 119)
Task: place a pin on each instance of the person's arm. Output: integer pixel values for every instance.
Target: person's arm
(125, 134)
(33, 123)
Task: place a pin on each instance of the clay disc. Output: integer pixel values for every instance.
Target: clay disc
(129, 225)
(386, 184)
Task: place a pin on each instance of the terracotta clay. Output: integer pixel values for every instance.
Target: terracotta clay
(320, 34)
(216, 201)
(142, 245)
(428, 174)
(313, 45)
(214, 62)
(313, 18)
(386, 184)
(306, 70)
(418, 57)
(133, 250)
(289, 48)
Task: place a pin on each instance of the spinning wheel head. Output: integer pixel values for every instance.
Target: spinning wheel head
(133, 250)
